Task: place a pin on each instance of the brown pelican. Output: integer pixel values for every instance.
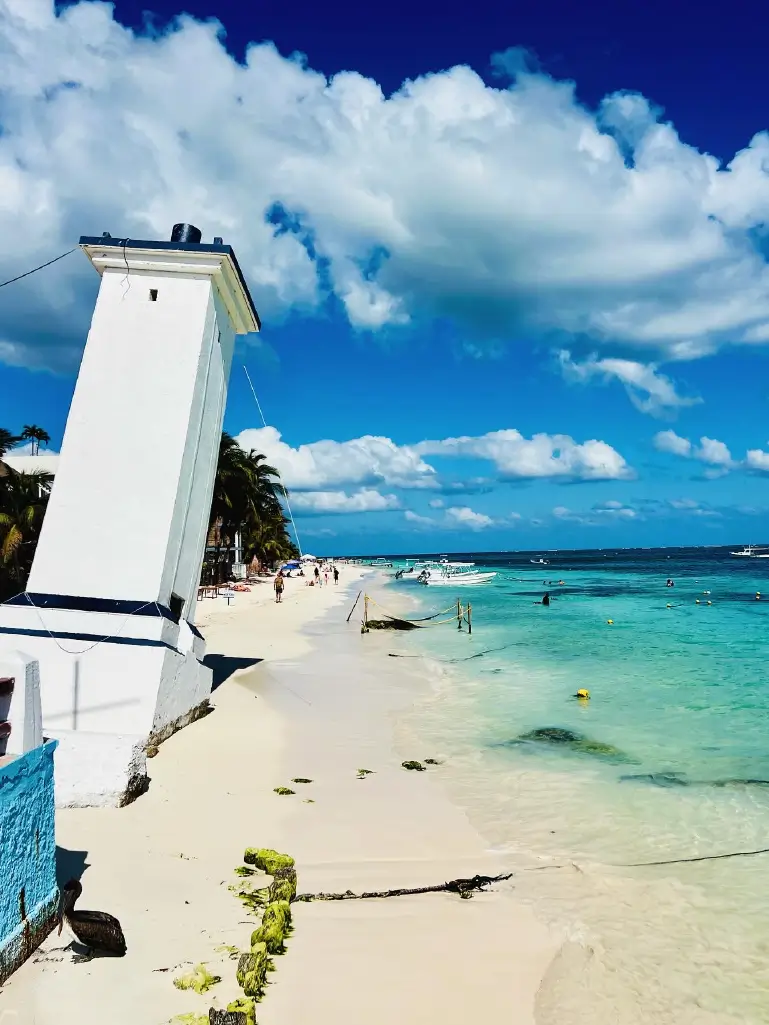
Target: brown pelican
(94, 929)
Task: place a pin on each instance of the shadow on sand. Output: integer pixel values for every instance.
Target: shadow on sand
(223, 666)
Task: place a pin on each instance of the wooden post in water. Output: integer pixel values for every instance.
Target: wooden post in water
(459, 614)
(469, 618)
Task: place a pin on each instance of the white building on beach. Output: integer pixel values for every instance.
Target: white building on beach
(109, 610)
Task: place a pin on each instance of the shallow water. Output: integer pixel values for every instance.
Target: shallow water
(681, 693)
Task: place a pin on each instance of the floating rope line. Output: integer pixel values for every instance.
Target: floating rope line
(705, 857)
(464, 658)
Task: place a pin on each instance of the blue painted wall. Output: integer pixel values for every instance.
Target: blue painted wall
(28, 890)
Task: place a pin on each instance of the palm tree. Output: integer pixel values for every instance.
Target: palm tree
(7, 441)
(35, 436)
(246, 500)
(23, 500)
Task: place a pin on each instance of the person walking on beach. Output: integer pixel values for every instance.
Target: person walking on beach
(317, 576)
(325, 574)
(279, 584)
(336, 575)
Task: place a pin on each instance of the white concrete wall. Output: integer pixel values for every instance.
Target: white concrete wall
(125, 442)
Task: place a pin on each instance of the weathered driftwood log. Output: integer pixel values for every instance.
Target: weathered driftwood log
(464, 887)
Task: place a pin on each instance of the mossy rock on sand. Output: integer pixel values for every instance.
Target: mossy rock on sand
(276, 923)
(414, 766)
(225, 1017)
(267, 860)
(246, 1007)
(284, 791)
(252, 970)
(282, 890)
(574, 742)
(301, 779)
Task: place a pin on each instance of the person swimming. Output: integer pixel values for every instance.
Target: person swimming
(545, 599)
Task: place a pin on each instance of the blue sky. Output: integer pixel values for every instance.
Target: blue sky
(520, 302)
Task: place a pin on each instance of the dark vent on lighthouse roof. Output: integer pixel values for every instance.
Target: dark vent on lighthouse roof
(186, 233)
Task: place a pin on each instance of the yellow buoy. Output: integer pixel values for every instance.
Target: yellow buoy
(610, 622)
(584, 694)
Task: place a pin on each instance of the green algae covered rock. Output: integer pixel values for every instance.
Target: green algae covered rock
(284, 791)
(283, 890)
(200, 980)
(252, 970)
(267, 860)
(362, 773)
(276, 923)
(414, 766)
(244, 1006)
(301, 779)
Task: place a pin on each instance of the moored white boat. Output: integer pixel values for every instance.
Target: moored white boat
(446, 574)
(751, 552)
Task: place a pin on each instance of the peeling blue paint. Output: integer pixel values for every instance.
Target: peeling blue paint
(28, 891)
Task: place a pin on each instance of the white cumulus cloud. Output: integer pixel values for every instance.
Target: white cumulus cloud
(327, 502)
(323, 464)
(715, 454)
(513, 209)
(649, 390)
(543, 455)
(455, 517)
(669, 441)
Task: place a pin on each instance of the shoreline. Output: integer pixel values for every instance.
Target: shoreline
(303, 698)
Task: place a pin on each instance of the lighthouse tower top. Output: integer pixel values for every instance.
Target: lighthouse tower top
(128, 516)
(184, 255)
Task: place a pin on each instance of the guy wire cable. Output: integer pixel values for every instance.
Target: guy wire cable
(264, 423)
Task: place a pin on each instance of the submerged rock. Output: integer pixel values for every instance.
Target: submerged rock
(658, 779)
(574, 742)
(740, 783)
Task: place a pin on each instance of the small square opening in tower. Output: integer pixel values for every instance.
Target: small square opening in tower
(153, 295)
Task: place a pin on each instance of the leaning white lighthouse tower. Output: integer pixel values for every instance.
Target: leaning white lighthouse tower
(109, 610)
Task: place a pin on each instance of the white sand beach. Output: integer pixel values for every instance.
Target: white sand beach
(306, 696)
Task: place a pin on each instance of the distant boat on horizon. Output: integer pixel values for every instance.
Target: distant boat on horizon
(751, 552)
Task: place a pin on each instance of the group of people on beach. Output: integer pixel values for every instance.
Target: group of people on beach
(316, 580)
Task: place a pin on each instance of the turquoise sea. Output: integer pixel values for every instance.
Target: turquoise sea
(679, 713)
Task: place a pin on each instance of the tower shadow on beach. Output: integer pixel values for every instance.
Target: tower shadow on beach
(223, 666)
(70, 864)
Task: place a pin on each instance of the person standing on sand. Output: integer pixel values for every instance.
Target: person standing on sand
(317, 576)
(279, 585)
(336, 575)
(325, 574)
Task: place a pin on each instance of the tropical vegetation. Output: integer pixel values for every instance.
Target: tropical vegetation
(23, 499)
(246, 501)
